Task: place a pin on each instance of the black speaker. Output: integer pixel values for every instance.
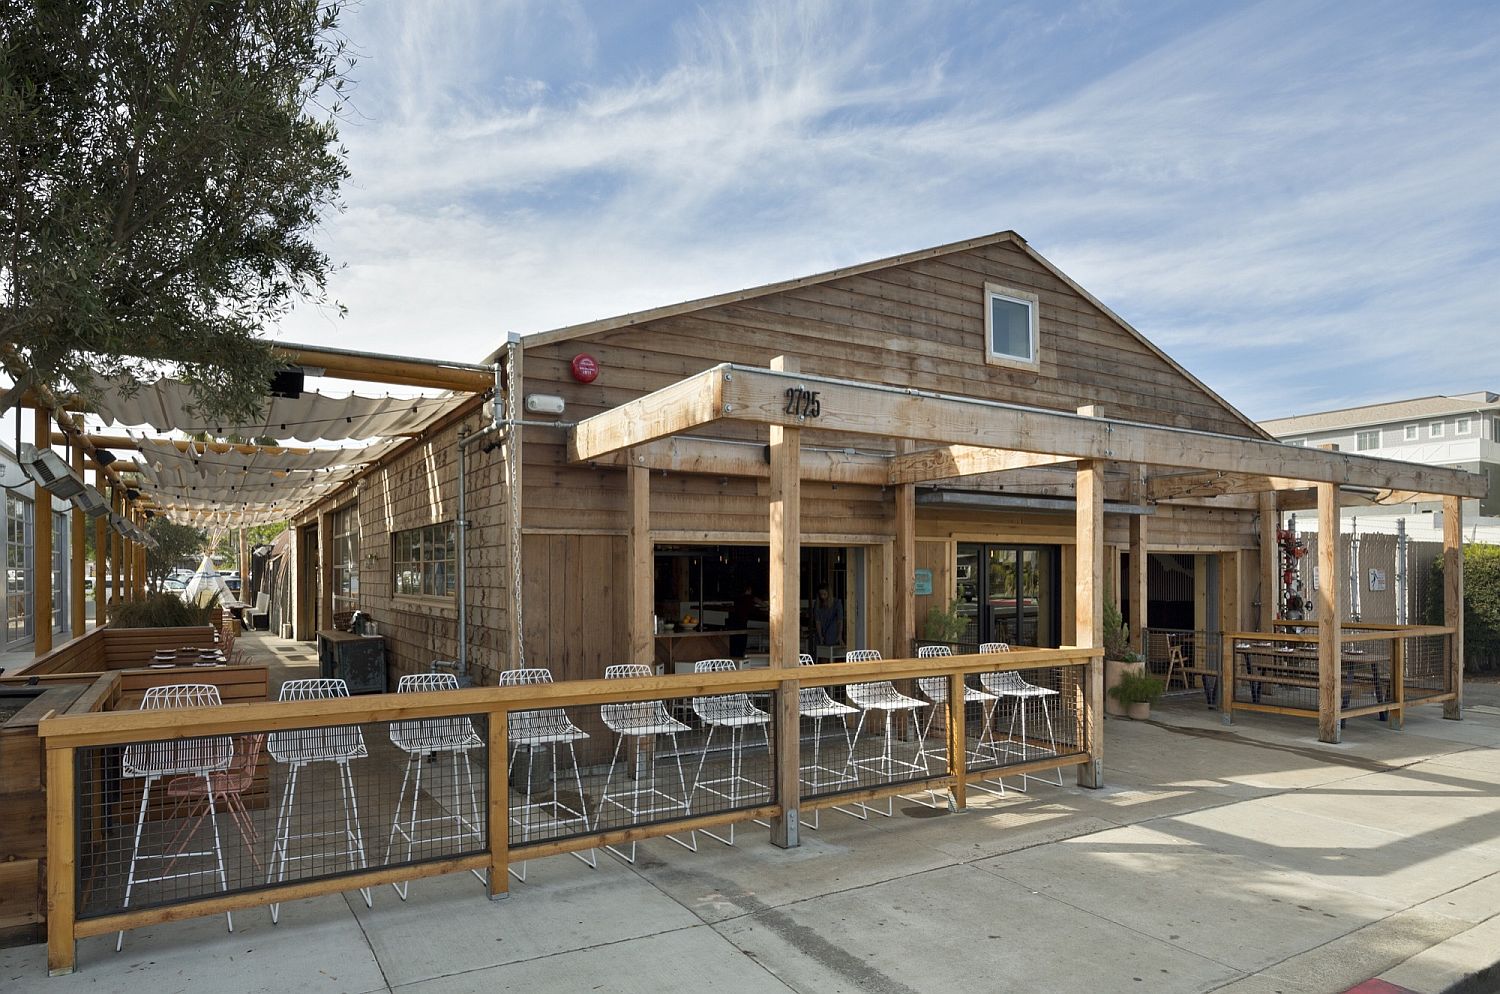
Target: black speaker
(287, 383)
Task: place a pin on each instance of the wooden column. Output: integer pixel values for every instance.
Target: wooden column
(786, 560)
(117, 548)
(77, 621)
(1139, 612)
(62, 881)
(41, 555)
(101, 558)
(497, 753)
(640, 594)
(140, 558)
(903, 570)
(244, 566)
(1270, 576)
(1330, 628)
(1453, 602)
(1089, 625)
(1229, 592)
(325, 572)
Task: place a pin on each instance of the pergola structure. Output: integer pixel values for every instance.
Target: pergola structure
(230, 484)
(942, 437)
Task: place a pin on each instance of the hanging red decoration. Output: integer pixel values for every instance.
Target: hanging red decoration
(585, 368)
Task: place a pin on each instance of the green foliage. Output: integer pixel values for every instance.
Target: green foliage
(1116, 635)
(157, 611)
(175, 543)
(1137, 688)
(1481, 606)
(228, 549)
(163, 166)
(945, 625)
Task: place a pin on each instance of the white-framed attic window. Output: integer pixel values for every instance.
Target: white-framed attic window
(1463, 426)
(1366, 440)
(1012, 335)
(1411, 433)
(1435, 430)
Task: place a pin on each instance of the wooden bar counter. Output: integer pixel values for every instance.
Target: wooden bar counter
(673, 648)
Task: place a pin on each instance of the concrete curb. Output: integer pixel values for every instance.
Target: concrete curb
(1464, 964)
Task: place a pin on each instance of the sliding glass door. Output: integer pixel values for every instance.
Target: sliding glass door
(1010, 593)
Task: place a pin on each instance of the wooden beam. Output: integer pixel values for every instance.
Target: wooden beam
(1330, 632)
(1453, 602)
(717, 457)
(41, 546)
(183, 445)
(641, 582)
(397, 370)
(672, 410)
(1217, 483)
(759, 396)
(1089, 623)
(949, 461)
(904, 625)
(785, 512)
(140, 556)
(1270, 552)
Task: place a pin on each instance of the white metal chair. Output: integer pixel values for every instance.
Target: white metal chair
(300, 749)
(817, 704)
(882, 696)
(545, 728)
(989, 647)
(935, 688)
(735, 712)
(152, 762)
(1009, 684)
(431, 737)
(642, 720)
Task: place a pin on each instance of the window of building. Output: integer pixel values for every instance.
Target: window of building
(423, 561)
(1296, 441)
(1367, 440)
(1435, 430)
(345, 567)
(17, 569)
(1463, 426)
(1411, 433)
(1011, 326)
(60, 592)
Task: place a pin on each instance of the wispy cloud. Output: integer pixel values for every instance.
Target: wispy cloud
(1299, 204)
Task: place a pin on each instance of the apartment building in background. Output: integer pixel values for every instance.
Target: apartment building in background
(1460, 431)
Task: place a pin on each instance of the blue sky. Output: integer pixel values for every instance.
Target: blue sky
(1300, 202)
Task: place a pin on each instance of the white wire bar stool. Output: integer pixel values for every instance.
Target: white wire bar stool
(882, 696)
(817, 704)
(642, 721)
(153, 762)
(935, 689)
(1010, 685)
(429, 738)
(735, 712)
(545, 728)
(299, 750)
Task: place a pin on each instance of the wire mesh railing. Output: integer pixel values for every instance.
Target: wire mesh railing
(156, 815)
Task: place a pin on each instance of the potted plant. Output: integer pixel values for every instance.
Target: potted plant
(1119, 657)
(1136, 692)
(945, 627)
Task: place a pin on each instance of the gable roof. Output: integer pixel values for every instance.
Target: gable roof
(617, 322)
(1374, 414)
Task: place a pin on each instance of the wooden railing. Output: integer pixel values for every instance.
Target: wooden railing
(78, 750)
(1384, 669)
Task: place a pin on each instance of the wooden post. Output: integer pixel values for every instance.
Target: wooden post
(117, 547)
(1270, 580)
(1226, 679)
(1088, 623)
(904, 567)
(1330, 623)
(61, 869)
(498, 820)
(41, 555)
(244, 566)
(76, 605)
(642, 583)
(140, 557)
(1453, 602)
(1139, 611)
(786, 561)
(101, 559)
(1398, 681)
(958, 745)
(1229, 592)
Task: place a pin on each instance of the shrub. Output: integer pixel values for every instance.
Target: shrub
(1137, 688)
(158, 611)
(1481, 606)
(1116, 635)
(945, 626)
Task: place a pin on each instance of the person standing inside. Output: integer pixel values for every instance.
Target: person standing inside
(828, 621)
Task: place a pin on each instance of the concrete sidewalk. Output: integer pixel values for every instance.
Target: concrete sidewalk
(1244, 860)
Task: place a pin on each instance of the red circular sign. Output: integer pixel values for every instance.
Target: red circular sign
(585, 368)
